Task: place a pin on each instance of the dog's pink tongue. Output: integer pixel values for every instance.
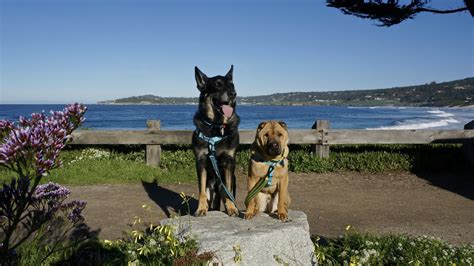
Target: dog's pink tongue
(227, 110)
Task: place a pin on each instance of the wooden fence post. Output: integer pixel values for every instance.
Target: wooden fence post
(153, 152)
(469, 145)
(322, 148)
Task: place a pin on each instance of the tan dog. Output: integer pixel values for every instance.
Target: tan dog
(269, 148)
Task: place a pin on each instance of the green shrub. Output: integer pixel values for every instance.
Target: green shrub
(176, 159)
(356, 248)
(150, 244)
(377, 162)
(143, 244)
(118, 164)
(303, 161)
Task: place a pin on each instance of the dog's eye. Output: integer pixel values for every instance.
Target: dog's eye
(266, 135)
(280, 135)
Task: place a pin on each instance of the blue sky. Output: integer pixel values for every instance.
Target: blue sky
(69, 50)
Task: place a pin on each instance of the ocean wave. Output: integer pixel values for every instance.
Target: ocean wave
(418, 125)
(440, 113)
(387, 107)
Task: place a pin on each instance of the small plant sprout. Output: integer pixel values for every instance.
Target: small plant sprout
(186, 200)
(238, 254)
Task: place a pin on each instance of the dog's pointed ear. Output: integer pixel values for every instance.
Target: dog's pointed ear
(283, 124)
(230, 74)
(201, 79)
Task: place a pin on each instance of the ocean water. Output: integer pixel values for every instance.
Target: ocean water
(302, 117)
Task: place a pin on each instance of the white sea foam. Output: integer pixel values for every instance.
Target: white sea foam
(420, 125)
(440, 113)
(387, 107)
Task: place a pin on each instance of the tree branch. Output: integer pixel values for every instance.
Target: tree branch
(422, 9)
(391, 12)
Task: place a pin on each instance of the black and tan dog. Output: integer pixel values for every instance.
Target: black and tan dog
(270, 149)
(216, 134)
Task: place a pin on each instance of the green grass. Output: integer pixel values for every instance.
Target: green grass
(98, 171)
(357, 248)
(108, 166)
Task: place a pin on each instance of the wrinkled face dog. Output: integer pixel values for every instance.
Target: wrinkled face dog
(216, 121)
(270, 149)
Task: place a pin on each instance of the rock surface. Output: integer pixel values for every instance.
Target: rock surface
(263, 240)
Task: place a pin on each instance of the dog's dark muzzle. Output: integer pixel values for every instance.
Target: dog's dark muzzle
(225, 99)
(274, 148)
(221, 102)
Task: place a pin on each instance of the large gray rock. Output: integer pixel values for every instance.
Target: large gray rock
(263, 240)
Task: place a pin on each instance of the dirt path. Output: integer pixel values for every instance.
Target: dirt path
(436, 205)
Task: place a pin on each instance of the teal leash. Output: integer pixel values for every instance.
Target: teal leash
(211, 145)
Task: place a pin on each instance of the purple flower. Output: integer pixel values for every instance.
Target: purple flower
(73, 210)
(51, 191)
(5, 125)
(37, 141)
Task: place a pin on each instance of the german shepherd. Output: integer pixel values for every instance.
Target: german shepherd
(216, 117)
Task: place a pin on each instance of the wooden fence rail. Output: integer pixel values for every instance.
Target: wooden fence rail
(321, 137)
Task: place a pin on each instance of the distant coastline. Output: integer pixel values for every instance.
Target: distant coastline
(456, 93)
(263, 104)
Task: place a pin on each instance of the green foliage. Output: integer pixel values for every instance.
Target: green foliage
(370, 158)
(379, 158)
(34, 253)
(149, 244)
(156, 246)
(176, 159)
(96, 165)
(97, 153)
(356, 248)
(242, 159)
(144, 244)
(303, 161)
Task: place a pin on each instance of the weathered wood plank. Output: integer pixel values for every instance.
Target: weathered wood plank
(164, 137)
(153, 151)
(304, 136)
(398, 136)
(322, 149)
(144, 137)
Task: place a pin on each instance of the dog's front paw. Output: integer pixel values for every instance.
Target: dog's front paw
(233, 211)
(201, 212)
(283, 216)
(249, 215)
